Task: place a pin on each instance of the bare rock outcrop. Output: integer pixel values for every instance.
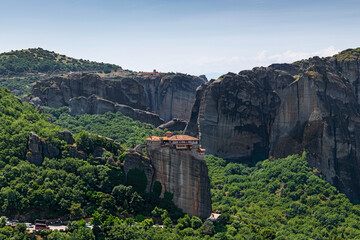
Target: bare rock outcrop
(171, 95)
(38, 149)
(97, 105)
(184, 174)
(174, 125)
(57, 91)
(311, 105)
(167, 95)
(67, 137)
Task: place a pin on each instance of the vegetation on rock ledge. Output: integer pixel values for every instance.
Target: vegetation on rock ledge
(121, 128)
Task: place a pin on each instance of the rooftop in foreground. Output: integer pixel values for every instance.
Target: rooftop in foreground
(178, 142)
(172, 138)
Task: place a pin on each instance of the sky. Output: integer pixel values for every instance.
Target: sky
(210, 37)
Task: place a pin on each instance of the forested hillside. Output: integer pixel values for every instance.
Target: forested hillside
(121, 128)
(282, 199)
(276, 199)
(38, 60)
(65, 187)
(20, 68)
(60, 185)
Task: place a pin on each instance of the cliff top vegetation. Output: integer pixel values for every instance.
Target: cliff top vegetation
(348, 55)
(39, 61)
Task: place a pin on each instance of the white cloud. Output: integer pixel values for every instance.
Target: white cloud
(262, 58)
(290, 56)
(224, 64)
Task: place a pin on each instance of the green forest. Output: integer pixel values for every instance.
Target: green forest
(121, 128)
(20, 68)
(38, 60)
(19, 86)
(275, 199)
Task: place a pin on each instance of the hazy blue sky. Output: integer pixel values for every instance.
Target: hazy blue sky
(197, 37)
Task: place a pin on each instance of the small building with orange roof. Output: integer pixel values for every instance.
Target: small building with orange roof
(176, 142)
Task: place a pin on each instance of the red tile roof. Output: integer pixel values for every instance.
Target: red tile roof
(172, 138)
(156, 139)
(182, 138)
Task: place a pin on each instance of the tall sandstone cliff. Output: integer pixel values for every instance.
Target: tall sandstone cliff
(57, 91)
(171, 95)
(167, 95)
(284, 109)
(185, 175)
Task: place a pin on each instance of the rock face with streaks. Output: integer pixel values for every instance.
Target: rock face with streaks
(184, 174)
(167, 95)
(311, 105)
(57, 91)
(174, 125)
(171, 95)
(97, 105)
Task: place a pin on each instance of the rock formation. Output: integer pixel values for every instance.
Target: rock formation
(67, 137)
(311, 105)
(174, 125)
(171, 95)
(168, 95)
(38, 149)
(182, 172)
(57, 91)
(135, 160)
(97, 105)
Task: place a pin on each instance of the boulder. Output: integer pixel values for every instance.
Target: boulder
(66, 136)
(36, 101)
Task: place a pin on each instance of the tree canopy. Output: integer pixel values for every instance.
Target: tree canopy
(38, 60)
